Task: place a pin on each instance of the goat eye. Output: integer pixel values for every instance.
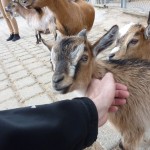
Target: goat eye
(133, 41)
(84, 58)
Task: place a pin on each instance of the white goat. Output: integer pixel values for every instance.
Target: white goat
(38, 19)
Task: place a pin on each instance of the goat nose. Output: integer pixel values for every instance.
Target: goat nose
(58, 78)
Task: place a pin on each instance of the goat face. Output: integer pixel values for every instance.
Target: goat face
(69, 57)
(73, 60)
(25, 3)
(32, 3)
(11, 7)
(133, 44)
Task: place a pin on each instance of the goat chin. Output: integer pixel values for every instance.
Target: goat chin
(81, 93)
(77, 93)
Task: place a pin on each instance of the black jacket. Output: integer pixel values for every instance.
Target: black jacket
(64, 125)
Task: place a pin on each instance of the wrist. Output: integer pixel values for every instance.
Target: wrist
(102, 110)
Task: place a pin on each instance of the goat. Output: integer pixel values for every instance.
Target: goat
(75, 62)
(135, 43)
(38, 19)
(71, 15)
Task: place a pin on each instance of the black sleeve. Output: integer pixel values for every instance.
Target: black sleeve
(64, 125)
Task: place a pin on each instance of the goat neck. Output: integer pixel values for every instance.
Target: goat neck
(71, 16)
(23, 12)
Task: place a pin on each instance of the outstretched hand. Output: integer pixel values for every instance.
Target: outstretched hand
(107, 96)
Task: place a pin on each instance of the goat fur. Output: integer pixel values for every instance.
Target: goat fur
(78, 61)
(38, 19)
(135, 43)
(71, 15)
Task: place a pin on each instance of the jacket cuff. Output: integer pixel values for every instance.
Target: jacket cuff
(92, 115)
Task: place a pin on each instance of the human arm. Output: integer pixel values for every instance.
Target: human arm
(107, 95)
(66, 125)
(69, 124)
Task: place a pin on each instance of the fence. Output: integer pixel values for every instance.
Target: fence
(134, 5)
(139, 5)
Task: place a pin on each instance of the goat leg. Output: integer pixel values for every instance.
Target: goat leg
(40, 38)
(37, 38)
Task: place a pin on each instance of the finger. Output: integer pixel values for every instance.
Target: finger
(118, 101)
(113, 109)
(120, 86)
(121, 94)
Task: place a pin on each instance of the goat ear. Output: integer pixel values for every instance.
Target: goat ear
(47, 44)
(147, 29)
(106, 40)
(148, 21)
(83, 34)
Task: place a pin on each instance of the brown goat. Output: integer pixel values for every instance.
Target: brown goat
(135, 43)
(75, 63)
(71, 16)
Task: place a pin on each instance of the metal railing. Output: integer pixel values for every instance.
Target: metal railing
(138, 5)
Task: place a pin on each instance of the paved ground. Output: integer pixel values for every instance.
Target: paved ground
(25, 71)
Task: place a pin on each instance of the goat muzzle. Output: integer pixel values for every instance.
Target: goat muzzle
(58, 83)
(58, 78)
(26, 3)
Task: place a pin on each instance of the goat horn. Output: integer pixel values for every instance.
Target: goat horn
(147, 29)
(147, 32)
(83, 33)
(148, 21)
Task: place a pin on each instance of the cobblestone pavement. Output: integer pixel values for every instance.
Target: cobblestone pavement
(25, 71)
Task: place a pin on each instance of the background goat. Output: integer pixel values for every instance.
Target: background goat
(38, 19)
(135, 43)
(75, 63)
(71, 16)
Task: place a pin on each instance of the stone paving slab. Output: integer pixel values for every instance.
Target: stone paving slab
(25, 70)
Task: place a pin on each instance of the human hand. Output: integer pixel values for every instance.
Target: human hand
(106, 95)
